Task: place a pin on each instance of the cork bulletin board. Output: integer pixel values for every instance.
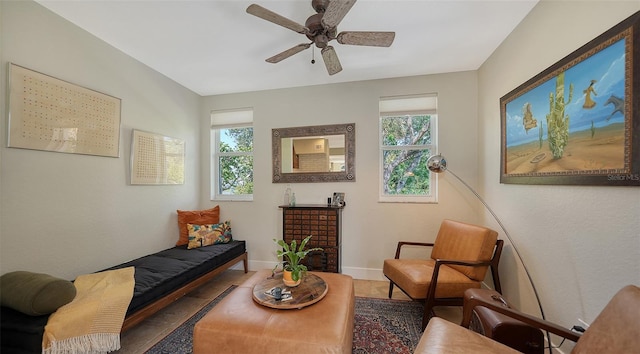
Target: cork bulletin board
(156, 159)
(46, 113)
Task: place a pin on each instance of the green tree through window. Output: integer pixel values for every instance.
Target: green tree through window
(234, 161)
(408, 136)
(406, 141)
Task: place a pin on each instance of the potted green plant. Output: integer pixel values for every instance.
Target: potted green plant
(291, 256)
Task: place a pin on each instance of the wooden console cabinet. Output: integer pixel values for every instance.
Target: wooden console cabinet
(324, 223)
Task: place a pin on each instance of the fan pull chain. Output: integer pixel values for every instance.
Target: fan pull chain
(313, 55)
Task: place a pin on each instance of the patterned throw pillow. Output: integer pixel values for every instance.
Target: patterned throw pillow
(196, 217)
(210, 234)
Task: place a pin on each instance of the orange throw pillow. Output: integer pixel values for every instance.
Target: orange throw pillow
(198, 217)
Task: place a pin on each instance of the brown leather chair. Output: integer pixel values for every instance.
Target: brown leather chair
(615, 330)
(460, 257)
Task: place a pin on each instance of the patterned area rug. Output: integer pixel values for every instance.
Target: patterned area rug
(386, 326)
(381, 326)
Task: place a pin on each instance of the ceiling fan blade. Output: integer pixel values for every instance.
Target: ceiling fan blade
(335, 12)
(376, 39)
(331, 60)
(289, 52)
(265, 14)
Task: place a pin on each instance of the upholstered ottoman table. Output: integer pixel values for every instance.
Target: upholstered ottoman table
(238, 324)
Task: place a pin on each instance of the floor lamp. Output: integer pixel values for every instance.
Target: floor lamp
(438, 164)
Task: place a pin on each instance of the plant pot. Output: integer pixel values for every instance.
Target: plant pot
(288, 280)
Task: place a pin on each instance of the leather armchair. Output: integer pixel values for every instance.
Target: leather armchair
(615, 330)
(460, 257)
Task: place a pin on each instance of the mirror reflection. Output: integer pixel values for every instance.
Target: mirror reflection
(313, 154)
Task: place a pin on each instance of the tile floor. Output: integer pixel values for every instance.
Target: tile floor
(153, 329)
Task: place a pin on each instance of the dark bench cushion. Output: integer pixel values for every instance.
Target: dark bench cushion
(160, 273)
(21, 333)
(156, 276)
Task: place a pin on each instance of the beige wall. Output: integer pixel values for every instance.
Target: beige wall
(370, 229)
(580, 243)
(82, 215)
(70, 214)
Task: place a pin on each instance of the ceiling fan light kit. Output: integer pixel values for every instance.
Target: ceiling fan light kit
(321, 28)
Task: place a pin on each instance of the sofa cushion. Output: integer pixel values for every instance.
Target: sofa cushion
(196, 217)
(207, 235)
(35, 294)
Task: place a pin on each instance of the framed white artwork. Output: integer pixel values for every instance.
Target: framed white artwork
(46, 113)
(156, 159)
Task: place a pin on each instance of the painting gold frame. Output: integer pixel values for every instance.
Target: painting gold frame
(578, 121)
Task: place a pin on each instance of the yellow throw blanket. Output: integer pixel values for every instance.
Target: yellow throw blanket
(93, 320)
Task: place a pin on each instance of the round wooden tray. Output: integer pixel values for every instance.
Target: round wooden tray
(311, 290)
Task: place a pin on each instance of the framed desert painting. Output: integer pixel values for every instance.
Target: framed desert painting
(578, 122)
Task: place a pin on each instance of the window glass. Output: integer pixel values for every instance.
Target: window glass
(235, 161)
(232, 158)
(406, 142)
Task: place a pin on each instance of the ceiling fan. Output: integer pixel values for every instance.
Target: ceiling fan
(321, 28)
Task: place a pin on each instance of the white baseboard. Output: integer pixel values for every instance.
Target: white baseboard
(355, 272)
(255, 265)
(364, 273)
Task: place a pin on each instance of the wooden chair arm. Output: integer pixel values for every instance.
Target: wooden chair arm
(408, 243)
(440, 262)
(431, 292)
(498, 306)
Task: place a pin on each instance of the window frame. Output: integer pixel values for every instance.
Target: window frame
(216, 154)
(432, 148)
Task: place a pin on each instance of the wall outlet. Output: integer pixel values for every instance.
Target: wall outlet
(584, 324)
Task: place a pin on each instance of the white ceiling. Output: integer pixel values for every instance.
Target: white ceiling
(215, 47)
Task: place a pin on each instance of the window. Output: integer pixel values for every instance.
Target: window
(407, 139)
(232, 155)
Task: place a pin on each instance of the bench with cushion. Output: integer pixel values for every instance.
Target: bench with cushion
(160, 279)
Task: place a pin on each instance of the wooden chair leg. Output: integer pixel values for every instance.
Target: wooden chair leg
(428, 307)
(390, 288)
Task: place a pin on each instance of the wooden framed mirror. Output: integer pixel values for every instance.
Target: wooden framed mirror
(320, 153)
